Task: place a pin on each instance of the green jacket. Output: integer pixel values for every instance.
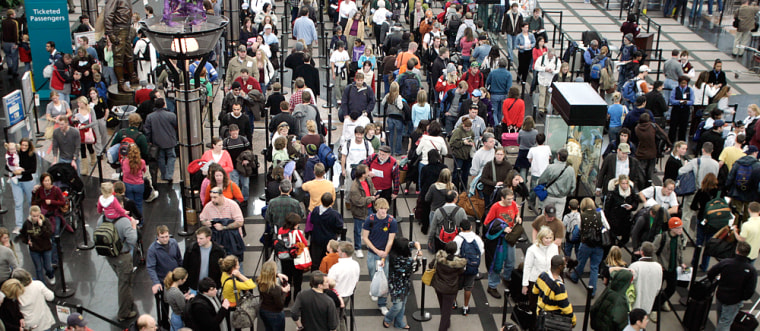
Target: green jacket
(135, 134)
(610, 311)
(458, 148)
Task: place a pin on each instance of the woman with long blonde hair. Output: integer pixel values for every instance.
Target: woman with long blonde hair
(538, 259)
(133, 169)
(273, 296)
(174, 296)
(393, 106)
(265, 68)
(614, 260)
(85, 117)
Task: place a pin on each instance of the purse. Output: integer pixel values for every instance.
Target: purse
(540, 189)
(553, 321)
(302, 261)
(472, 205)
(246, 307)
(88, 136)
(427, 277)
(515, 234)
(687, 183)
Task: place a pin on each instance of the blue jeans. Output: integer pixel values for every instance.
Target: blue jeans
(532, 194)
(272, 321)
(22, 191)
(43, 264)
(506, 270)
(372, 260)
(584, 253)
(242, 182)
(568, 249)
(450, 121)
(166, 158)
(499, 9)
(395, 315)
(68, 161)
(696, 8)
(11, 56)
(135, 193)
(176, 322)
(614, 132)
(387, 82)
(497, 100)
(726, 315)
(396, 130)
(710, 6)
(669, 85)
(702, 238)
(465, 63)
(358, 223)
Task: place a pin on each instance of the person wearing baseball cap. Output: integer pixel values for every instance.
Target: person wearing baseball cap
(242, 60)
(473, 101)
(474, 77)
(76, 322)
(668, 244)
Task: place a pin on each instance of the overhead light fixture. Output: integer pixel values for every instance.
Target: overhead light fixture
(184, 45)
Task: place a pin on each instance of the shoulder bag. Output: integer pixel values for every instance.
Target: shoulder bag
(687, 183)
(246, 307)
(540, 189)
(427, 277)
(554, 321)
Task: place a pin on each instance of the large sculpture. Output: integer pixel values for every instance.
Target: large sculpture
(183, 8)
(118, 24)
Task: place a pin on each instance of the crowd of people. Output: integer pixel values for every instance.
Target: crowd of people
(451, 129)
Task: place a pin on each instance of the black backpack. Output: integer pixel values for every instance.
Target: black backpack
(410, 87)
(591, 233)
(743, 177)
(449, 229)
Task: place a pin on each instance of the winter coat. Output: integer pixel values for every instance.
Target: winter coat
(447, 272)
(646, 135)
(610, 311)
(246, 170)
(619, 217)
(359, 200)
(459, 149)
(487, 176)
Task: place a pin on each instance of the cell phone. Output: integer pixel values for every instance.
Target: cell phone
(378, 192)
(625, 205)
(283, 282)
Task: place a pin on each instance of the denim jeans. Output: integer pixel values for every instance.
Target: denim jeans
(500, 10)
(272, 321)
(135, 193)
(696, 8)
(595, 254)
(43, 264)
(668, 85)
(461, 173)
(568, 249)
(465, 63)
(372, 260)
(57, 232)
(22, 192)
(709, 7)
(166, 158)
(242, 182)
(358, 224)
(614, 132)
(506, 270)
(497, 100)
(11, 56)
(396, 130)
(531, 194)
(450, 121)
(726, 315)
(395, 315)
(702, 238)
(176, 322)
(387, 82)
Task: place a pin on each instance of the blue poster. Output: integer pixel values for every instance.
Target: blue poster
(14, 107)
(48, 20)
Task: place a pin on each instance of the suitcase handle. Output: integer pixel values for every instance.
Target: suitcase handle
(754, 307)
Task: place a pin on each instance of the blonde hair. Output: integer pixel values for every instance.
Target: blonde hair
(615, 257)
(393, 94)
(228, 263)
(616, 97)
(178, 274)
(106, 189)
(422, 98)
(544, 232)
(268, 276)
(381, 204)
(12, 288)
(587, 204)
(333, 244)
(311, 126)
(84, 101)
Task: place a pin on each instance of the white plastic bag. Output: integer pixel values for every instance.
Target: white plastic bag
(379, 286)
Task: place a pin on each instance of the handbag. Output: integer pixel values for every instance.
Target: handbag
(687, 183)
(88, 136)
(722, 245)
(49, 131)
(513, 236)
(472, 205)
(736, 22)
(427, 277)
(302, 261)
(553, 321)
(540, 189)
(246, 307)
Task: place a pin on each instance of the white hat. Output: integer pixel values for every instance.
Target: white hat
(644, 67)
(268, 26)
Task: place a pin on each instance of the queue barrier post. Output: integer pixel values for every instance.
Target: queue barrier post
(421, 315)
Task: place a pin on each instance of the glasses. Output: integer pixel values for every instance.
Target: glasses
(216, 192)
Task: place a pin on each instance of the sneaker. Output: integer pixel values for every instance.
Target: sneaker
(384, 310)
(454, 305)
(152, 196)
(373, 298)
(665, 307)
(17, 230)
(50, 280)
(465, 311)
(653, 316)
(494, 293)
(359, 254)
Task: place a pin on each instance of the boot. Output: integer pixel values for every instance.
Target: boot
(122, 81)
(132, 75)
(85, 167)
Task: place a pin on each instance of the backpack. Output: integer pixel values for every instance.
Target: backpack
(569, 52)
(284, 247)
(187, 315)
(410, 87)
(449, 229)
(591, 235)
(453, 25)
(630, 90)
(470, 251)
(107, 240)
(698, 132)
(742, 177)
(326, 156)
(717, 213)
(596, 67)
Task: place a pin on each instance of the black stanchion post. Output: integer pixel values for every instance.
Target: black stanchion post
(504, 311)
(421, 315)
(343, 233)
(477, 226)
(411, 225)
(587, 315)
(86, 244)
(100, 168)
(657, 306)
(64, 291)
(353, 320)
(329, 126)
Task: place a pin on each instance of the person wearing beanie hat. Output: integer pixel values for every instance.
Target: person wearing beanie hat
(670, 254)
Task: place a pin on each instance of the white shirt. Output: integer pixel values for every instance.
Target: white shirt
(349, 127)
(542, 63)
(539, 157)
(379, 17)
(34, 307)
(621, 167)
(664, 201)
(537, 260)
(469, 237)
(356, 152)
(346, 275)
(347, 9)
(647, 276)
(339, 58)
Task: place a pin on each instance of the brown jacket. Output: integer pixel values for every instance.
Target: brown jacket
(746, 15)
(359, 201)
(447, 272)
(647, 135)
(118, 15)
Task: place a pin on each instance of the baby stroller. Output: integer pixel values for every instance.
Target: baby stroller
(65, 177)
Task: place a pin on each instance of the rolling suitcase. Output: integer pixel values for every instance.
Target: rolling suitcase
(746, 321)
(698, 304)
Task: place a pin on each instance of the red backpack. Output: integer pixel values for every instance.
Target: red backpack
(449, 229)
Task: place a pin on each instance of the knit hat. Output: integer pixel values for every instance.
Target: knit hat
(629, 36)
(235, 85)
(311, 149)
(751, 149)
(450, 68)
(674, 222)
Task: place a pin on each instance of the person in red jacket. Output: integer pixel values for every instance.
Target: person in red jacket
(474, 77)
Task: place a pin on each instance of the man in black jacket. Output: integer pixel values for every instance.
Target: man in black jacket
(715, 136)
(629, 166)
(205, 309)
(161, 131)
(738, 278)
(193, 260)
(309, 73)
(656, 102)
(236, 117)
